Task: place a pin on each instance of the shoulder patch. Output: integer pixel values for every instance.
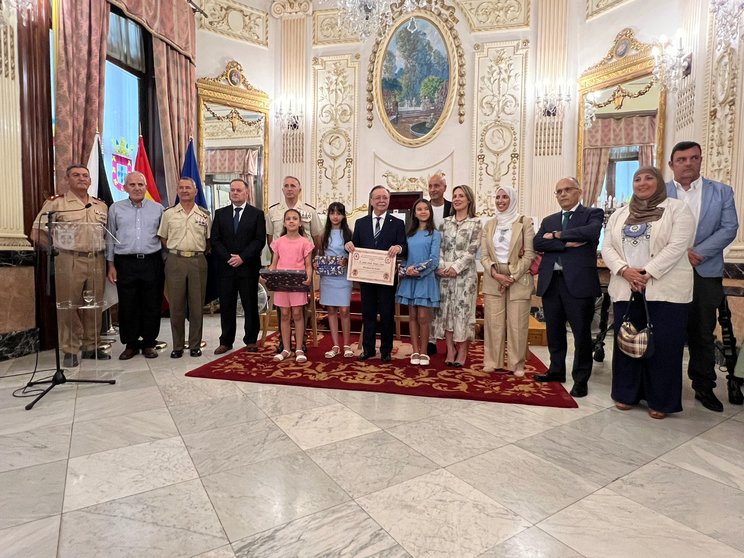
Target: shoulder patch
(55, 196)
(204, 209)
(171, 207)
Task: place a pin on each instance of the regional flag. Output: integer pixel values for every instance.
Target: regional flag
(190, 169)
(142, 164)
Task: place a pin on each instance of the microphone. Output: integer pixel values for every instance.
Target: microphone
(87, 206)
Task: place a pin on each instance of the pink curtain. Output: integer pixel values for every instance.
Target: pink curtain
(171, 21)
(175, 84)
(596, 160)
(79, 76)
(243, 162)
(619, 132)
(646, 155)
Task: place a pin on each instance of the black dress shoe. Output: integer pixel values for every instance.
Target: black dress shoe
(431, 349)
(251, 348)
(735, 395)
(365, 356)
(387, 357)
(709, 400)
(177, 353)
(128, 353)
(579, 390)
(550, 377)
(150, 352)
(195, 352)
(99, 354)
(70, 360)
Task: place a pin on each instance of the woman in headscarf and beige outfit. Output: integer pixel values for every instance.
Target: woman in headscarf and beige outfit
(506, 256)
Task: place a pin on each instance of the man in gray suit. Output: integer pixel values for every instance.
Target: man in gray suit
(712, 204)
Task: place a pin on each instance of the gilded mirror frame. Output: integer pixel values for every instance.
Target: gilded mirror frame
(232, 89)
(628, 59)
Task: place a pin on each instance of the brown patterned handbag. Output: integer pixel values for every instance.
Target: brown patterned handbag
(634, 343)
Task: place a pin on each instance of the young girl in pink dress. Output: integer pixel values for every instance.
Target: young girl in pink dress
(292, 251)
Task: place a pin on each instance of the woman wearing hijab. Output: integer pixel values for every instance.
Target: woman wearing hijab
(645, 249)
(506, 255)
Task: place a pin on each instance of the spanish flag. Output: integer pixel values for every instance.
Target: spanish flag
(142, 164)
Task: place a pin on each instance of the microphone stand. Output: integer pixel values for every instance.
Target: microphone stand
(51, 290)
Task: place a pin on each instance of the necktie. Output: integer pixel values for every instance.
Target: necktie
(377, 226)
(566, 219)
(236, 219)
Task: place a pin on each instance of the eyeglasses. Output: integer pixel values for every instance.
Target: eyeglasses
(564, 190)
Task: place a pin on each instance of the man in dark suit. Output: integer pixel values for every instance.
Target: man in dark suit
(238, 236)
(568, 282)
(378, 231)
(712, 204)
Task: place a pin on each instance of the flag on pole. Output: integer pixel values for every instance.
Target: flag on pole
(142, 164)
(191, 170)
(99, 186)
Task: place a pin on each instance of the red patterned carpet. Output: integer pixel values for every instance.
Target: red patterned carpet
(398, 376)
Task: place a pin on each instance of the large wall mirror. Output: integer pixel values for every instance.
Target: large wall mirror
(621, 122)
(233, 136)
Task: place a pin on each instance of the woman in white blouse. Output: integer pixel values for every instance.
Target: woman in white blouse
(645, 248)
(506, 255)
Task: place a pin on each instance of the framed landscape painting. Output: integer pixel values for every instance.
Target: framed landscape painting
(414, 77)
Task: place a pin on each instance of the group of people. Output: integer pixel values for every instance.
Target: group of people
(665, 246)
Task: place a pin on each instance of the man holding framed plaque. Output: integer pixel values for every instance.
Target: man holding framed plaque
(377, 240)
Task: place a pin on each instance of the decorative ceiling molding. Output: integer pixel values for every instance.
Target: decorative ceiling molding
(496, 15)
(291, 8)
(597, 7)
(326, 30)
(236, 21)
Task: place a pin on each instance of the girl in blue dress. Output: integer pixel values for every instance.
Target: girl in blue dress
(419, 287)
(335, 291)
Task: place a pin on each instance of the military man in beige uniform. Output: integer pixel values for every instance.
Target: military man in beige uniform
(184, 231)
(291, 190)
(275, 216)
(79, 265)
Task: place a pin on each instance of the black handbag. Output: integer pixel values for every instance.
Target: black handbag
(634, 343)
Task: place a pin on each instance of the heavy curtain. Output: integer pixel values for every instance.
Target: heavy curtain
(606, 133)
(81, 59)
(82, 36)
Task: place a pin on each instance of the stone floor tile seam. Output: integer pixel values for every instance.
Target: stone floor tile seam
(544, 532)
(695, 439)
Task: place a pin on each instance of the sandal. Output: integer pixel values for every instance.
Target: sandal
(335, 350)
(300, 357)
(278, 357)
(622, 406)
(656, 414)
(348, 353)
(424, 360)
(415, 359)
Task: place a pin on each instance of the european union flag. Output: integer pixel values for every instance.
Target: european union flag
(191, 170)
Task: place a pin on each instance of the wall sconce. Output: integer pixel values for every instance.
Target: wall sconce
(22, 8)
(726, 15)
(289, 114)
(552, 99)
(671, 64)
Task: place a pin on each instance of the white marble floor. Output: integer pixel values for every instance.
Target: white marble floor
(164, 465)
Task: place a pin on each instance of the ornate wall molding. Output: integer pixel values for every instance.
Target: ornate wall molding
(335, 82)
(399, 179)
(291, 8)
(491, 15)
(236, 21)
(720, 156)
(251, 130)
(499, 119)
(326, 30)
(597, 7)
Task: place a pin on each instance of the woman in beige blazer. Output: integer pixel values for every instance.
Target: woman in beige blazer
(506, 255)
(645, 249)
